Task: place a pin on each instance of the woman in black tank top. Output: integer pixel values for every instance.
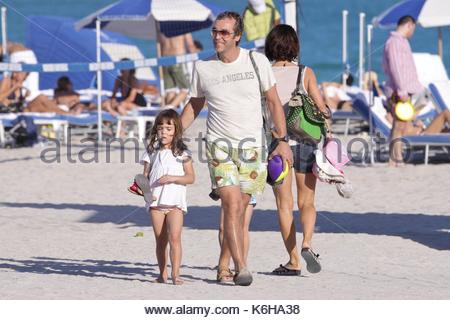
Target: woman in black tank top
(131, 94)
(12, 94)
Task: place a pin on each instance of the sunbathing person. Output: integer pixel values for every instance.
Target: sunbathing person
(64, 95)
(12, 92)
(335, 96)
(18, 53)
(440, 124)
(376, 88)
(131, 94)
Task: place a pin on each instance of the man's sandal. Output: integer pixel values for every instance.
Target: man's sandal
(243, 278)
(224, 275)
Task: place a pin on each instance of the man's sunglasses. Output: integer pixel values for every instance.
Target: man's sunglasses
(222, 33)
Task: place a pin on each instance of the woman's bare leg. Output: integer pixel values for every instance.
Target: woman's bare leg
(247, 220)
(124, 107)
(43, 104)
(110, 106)
(285, 206)
(306, 186)
(438, 123)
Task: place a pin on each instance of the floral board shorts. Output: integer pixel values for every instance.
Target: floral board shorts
(246, 168)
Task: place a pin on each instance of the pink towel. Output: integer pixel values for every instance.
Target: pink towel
(335, 154)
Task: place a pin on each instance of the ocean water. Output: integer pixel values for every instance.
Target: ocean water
(320, 29)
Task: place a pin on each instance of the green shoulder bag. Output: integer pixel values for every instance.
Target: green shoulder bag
(304, 119)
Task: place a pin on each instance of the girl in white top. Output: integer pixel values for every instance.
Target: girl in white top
(168, 166)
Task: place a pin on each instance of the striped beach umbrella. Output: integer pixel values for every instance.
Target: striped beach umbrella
(145, 18)
(428, 14)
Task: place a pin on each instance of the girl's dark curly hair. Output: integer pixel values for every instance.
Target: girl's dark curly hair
(168, 116)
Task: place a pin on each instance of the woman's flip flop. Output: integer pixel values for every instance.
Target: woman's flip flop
(312, 260)
(284, 271)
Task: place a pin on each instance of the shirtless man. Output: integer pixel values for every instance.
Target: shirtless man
(174, 76)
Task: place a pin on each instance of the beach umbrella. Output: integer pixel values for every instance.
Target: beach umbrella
(145, 19)
(428, 14)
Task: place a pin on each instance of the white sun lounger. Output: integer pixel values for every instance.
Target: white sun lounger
(440, 90)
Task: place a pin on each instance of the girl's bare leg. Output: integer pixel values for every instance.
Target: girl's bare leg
(174, 227)
(160, 230)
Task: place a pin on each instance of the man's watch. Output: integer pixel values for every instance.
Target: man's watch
(284, 139)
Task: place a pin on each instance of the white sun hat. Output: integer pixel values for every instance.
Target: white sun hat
(258, 5)
(325, 171)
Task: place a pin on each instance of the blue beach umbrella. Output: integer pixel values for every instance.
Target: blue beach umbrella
(145, 18)
(428, 14)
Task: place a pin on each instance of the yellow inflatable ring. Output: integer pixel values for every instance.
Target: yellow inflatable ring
(404, 111)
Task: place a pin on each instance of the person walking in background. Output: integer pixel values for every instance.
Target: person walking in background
(176, 84)
(282, 48)
(260, 16)
(402, 81)
(228, 83)
(188, 67)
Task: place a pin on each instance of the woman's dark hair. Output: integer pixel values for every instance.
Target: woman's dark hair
(282, 43)
(169, 116)
(131, 71)
(63, 83)
(349, 80)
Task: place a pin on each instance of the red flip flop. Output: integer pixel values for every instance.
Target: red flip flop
(134, 189)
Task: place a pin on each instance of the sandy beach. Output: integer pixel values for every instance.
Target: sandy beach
(68, 231)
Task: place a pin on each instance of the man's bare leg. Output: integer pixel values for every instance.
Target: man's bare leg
(234, 210)
(178, 99)
(169, 96)
(395, 146)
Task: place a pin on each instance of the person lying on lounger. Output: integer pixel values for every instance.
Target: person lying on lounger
(440, 124)
(13, 95)
(376, 88)
(66, 96)
(335, 96)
